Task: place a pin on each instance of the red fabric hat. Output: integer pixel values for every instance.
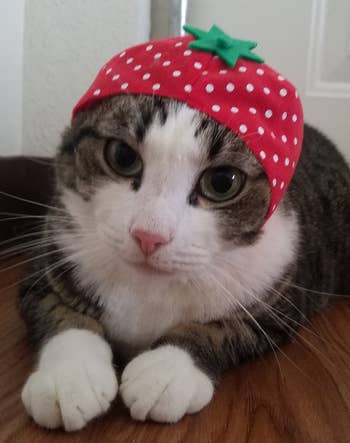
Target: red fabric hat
(249, 97)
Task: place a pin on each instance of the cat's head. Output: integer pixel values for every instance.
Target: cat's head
(155, 187)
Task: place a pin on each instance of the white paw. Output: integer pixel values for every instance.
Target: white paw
(164, 385)
(75, 381)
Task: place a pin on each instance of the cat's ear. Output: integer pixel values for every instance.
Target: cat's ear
(67, 141)
(73, 133)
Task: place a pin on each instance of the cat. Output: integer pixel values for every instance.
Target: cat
(157, 264)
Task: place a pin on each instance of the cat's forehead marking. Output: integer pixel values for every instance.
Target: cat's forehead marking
(174, 138)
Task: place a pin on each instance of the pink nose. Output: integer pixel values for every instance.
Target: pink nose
(148, 241)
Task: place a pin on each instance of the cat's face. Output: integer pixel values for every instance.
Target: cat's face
(156, 188)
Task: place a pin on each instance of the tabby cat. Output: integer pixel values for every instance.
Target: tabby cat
(158, 271)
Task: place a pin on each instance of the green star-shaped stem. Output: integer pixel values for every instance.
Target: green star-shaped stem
(227, 48)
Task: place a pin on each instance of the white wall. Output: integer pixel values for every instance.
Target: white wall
(11, 57)
(65, 43)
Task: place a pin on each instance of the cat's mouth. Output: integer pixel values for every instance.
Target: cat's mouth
(149, 268)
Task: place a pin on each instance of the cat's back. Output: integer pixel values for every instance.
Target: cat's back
(320, 195)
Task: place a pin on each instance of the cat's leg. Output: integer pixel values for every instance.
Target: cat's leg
(177, 377)
(74, 380)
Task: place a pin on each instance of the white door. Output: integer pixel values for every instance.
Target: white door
(307, 40)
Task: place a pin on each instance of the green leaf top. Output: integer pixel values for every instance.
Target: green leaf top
(219, 43)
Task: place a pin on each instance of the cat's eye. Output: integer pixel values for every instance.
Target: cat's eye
(221, 183)
(123, 159)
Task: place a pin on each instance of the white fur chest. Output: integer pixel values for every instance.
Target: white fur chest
(135, 317)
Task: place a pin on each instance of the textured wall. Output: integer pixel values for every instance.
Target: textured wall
(11, 57)
(65, 43)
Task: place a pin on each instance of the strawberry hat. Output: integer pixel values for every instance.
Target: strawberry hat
(221, 77)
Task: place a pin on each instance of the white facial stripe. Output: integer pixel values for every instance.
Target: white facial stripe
(172, 158)
(174, 140)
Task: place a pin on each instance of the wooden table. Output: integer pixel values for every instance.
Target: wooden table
(304, 397)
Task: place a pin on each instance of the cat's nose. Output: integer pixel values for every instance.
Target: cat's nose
(148, 241)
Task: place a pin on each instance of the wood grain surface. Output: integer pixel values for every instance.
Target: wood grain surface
(303, 395)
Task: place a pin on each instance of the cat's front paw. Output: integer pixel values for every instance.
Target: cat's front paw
(164, 384)
(75, 381)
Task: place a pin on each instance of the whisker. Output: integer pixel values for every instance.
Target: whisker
(43, 162)
(46, 254)
(71, 257)
(271, 342)
(26, 200)
(313, 291)
(251, 316)
(271, 309)
(269, 287)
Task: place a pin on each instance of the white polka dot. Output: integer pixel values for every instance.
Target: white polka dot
(197, 65)
(176, 73)
(215, 108)
(209, 88)
(263, 154)
(274, 182)
(296, 94)
(187, 52)
(223, 71)
(242, 69)
(283, 92)
(268, 113)
(188, 88)
(266, 90)
(230, 87)
(97, 91)
(282, 185)
(146, 76)
(166, 63)
(261, 130)
(149, 47)
(284, 138)
(122, 54)
(115, 77)
(234, 110)
(252, 110)
(204, 72)
(294, 118)
(293, 164)
(249, 87)
(284, 115)
(295, 141)
(156, 86)
(158, 55)
(273, 207)
(137, 67)
(109, 71)
(280, 78)
(286, 161)
(260, 71)
(243, 129)
(273, 135)
(124, 85)
(129, 60)
(178, 44)
(275, 158)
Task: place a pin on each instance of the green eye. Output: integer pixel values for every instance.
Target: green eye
(221, 184)
(124, 160)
